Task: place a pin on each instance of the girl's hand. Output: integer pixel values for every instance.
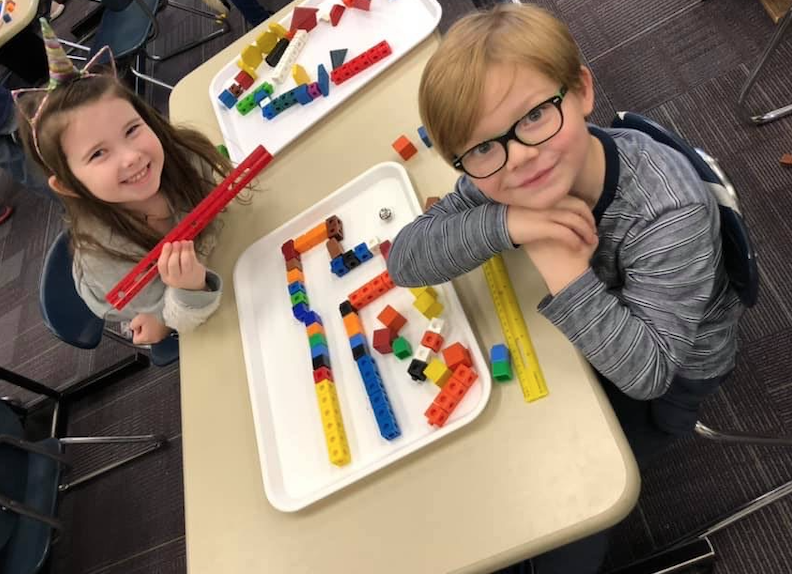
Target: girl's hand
(179, 267)
(569, 222)
(557, 263)
(147, 329)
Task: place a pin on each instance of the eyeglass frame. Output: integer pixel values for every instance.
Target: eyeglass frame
(511, 135)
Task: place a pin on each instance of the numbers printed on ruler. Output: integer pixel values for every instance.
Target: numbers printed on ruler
(515, 331)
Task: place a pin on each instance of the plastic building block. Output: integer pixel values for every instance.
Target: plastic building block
(438, 372)
(319, 350)
(346, 308)
(446, 401)
(357, 340)
(300, 75)
(432, 341)
(359, 4)
(418, 291)
(300, 297)
(266, 41)
(320, 361)
(227, 99)
(322, 374)
(502, 371)
(314, 90)
(260, 96)
(374, 245)
(289, 250)
(294, 263)
(424, 136)
(337, 266)
(499, 353)
(404, 147)
(337, 57)
(436, 416)
(236, 90)
(361, 62)
(223, 150)
(314, 329)
(323, 79)
(392, 319)
(244, 79)
(251, 56)
(382, 340)
(249, 102)
(335, 228)
(385, 247)
(465, 375)
(335, 15)
(350, 260)
(299, 310)
(362, 252)
(303, 19)
(302, 95)
(312, 317)
(278, 30)
(296, 287)
(332, 423)
(274, 57)
(436, 326)
(317, 339)
(429, 306)
(289, 57)
(295, 275)
(352, 325)
(401, 348)
(269, 111)
(455, 355)
(334, 248)
(381, 284)
(423, 354)
(416, 370)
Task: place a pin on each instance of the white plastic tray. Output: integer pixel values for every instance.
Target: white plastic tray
(292, 452)
(403, 23)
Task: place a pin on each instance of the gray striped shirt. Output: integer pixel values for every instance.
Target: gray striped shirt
(655, 303)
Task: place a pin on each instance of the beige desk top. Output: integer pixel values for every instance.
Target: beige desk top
(521, 479)
(23, 14)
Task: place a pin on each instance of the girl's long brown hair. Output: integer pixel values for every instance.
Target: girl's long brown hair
(183, 183)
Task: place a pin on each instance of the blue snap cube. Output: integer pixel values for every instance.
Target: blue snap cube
(499, 353)
(338, 267)
(363, 253)
(296, 287)
(323, 79)
(227, 99)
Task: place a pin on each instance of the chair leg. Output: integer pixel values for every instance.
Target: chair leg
(740, 437)
(155, 442)
(151, 79)
(780, 112)
(220, 19)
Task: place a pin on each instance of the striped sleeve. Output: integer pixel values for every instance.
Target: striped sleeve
(640, 338)
(459, 233)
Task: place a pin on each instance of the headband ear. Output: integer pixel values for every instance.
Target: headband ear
(23, 109)
(97, 61)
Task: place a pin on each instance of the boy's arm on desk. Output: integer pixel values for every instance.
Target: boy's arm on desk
(459, 233)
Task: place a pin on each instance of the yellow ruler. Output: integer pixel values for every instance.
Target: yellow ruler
(515, 331)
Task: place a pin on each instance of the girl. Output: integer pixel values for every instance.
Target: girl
(126, 177)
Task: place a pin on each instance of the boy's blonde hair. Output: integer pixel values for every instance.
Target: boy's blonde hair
(453, 80)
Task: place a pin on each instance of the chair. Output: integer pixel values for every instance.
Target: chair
(741, 266)
(30, 480)
(128, 25)
(70, 319)
(771, 46)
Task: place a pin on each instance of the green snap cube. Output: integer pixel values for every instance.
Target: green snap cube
(401, 348)
(502, 371)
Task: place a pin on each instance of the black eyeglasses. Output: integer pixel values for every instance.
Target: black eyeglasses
(540, 124)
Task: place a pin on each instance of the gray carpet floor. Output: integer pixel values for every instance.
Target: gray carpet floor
(680, 62)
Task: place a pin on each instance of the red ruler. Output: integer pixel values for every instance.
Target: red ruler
(190, 226)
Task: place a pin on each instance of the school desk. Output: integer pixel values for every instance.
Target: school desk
(23, 14)
(521, 479)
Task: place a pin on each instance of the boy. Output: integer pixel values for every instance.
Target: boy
(625, 235)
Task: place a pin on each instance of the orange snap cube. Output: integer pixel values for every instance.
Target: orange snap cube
(352, 324)
(404, 148)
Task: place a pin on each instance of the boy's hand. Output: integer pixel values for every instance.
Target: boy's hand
(569, 222)
(147, 329)
(179, 267)
(558, 264)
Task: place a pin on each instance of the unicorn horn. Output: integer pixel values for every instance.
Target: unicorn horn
(61, 68)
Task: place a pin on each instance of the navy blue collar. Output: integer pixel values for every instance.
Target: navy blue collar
(611, 171)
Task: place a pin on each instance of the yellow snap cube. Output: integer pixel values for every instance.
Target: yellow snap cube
(438, 372)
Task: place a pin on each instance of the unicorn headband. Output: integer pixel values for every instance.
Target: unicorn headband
(61, 72)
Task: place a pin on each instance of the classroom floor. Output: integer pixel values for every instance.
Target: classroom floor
(680, 62)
